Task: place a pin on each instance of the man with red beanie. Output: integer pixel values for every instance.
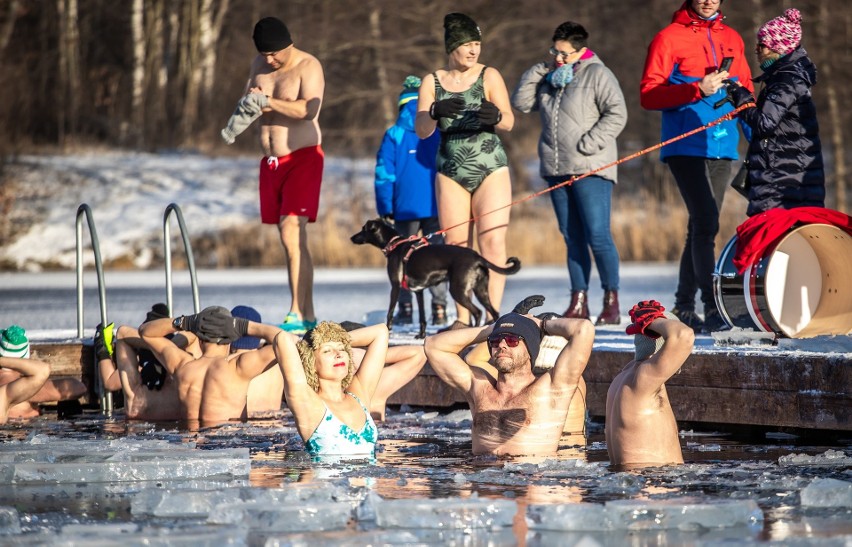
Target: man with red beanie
(683, 78)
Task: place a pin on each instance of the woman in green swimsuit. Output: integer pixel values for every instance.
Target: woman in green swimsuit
(328, 398)
(467, 102)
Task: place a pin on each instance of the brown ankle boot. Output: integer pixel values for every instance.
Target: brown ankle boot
(610, 315)
(579, 308)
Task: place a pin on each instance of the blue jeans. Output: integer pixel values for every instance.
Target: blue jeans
(702, 183)
(582, 211)
(428, 225)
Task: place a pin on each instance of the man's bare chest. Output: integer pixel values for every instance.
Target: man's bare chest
(284, 85)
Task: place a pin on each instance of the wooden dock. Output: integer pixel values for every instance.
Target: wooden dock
(774, 388)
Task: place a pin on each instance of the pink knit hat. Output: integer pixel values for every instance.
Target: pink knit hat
(782, 34)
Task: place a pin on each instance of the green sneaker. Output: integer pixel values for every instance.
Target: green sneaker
(293, 324)
(103, 341)
(310, 324)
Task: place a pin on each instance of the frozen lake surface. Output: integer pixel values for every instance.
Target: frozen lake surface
(104, 481)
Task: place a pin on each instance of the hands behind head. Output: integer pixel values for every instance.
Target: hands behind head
(217, 325)
(642, 315)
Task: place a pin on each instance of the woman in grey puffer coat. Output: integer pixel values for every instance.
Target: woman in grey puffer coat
(582, 112)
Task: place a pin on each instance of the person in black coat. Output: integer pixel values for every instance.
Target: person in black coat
(785, 167)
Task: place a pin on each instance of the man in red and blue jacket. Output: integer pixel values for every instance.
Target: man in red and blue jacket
(683, 79)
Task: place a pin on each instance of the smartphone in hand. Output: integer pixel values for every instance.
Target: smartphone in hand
(726, 64)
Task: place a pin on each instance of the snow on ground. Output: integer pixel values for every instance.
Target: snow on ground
(129, 192)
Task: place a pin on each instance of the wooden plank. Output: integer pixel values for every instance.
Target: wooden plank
(800, 391)
(68, 360)
(738, 371)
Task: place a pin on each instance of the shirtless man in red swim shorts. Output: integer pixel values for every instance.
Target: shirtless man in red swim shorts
(291, 169)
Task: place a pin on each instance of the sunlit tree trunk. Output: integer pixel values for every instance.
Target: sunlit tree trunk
(68, 90)
(190, 74)
(9, 23)
(210, 28)
(835, 116)
(137, 93)
(379, 59)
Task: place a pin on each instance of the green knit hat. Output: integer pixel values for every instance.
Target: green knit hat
(14, 342)
(460, 29)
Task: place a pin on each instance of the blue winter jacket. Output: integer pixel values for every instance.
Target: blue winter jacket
(405, 170)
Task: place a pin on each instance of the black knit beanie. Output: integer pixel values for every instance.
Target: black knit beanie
(271, 34)
(460, 29)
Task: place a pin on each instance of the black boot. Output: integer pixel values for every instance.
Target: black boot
(713, 321)
(610, 315)
(439, 314)
(403, 315)
(579, 308)
(689, 318)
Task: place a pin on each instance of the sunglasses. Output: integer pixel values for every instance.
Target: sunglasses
(512, 340)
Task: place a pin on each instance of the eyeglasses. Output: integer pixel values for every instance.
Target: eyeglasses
(564, 54)
(512, 340)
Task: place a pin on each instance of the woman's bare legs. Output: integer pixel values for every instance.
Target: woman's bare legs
(454, 204)
(493, 197)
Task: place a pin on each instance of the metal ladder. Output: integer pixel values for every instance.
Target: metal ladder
(105, 397)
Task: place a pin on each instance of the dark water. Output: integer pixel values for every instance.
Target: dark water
(427, 455)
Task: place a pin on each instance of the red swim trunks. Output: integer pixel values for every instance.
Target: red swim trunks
(290, 185)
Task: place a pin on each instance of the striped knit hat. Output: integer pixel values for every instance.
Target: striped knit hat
(782, 34)
(14, 343)
(645, 346)
(410, 89)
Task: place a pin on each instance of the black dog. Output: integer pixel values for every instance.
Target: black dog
(429, 265)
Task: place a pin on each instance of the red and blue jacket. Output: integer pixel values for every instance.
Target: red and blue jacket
(678, 58)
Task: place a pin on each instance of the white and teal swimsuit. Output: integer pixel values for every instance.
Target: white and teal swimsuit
(335, 437)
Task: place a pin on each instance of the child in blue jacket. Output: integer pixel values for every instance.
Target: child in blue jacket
(405, 193)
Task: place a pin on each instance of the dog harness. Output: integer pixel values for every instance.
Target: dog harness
(395, 242)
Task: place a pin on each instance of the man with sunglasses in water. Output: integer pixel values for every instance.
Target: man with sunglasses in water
(518, 413)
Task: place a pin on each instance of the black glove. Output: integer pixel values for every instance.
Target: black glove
(351, 325)
(489, 114)
(152, 372)
(739, 95)
(103, 341)
(446, 108)
(158, 311)
(528, 303)
(186, 322)
(216, 324)
(548, 315)
(388, 219)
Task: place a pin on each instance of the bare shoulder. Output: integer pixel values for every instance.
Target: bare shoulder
(306, 61)
(491, 74)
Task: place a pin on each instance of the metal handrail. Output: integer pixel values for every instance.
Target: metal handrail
(190, 261)
(104, 396)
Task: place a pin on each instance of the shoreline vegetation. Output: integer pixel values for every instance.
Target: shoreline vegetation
(648, 226)
(644, 231)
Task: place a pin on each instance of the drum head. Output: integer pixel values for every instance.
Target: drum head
(807, 284)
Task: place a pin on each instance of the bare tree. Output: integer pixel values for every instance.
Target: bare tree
(137, 88)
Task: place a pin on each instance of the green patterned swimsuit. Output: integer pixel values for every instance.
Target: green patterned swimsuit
(469, 151)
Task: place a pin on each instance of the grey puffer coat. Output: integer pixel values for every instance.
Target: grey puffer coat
(785, 154)
(579, 122)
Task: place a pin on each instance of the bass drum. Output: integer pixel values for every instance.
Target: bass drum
(799, 288)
